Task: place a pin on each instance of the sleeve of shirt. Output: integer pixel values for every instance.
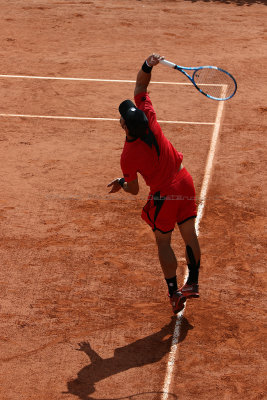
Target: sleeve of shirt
(128, 169)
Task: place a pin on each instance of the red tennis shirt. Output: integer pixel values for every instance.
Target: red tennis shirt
(154, 157)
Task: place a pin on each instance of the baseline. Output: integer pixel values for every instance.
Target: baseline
(102, 80)
(87, 79)
(96, 119)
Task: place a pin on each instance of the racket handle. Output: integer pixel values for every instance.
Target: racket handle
(168, 63)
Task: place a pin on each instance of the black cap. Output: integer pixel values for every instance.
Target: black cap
(135, 119)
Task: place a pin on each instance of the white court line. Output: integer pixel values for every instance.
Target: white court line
(96, 119)
(209, 163)
(100, 80)
(87, 79)
(203, 195)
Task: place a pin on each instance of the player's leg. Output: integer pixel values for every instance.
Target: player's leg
(168, 264)
(166, 255)
(192, 254)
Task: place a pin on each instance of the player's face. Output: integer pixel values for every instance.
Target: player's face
(122, 122)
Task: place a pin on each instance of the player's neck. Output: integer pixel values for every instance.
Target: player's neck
(130, 138)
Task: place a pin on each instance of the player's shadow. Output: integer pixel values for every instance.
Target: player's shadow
(144, 351)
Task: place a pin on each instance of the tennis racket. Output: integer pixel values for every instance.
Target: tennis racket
(213, 82)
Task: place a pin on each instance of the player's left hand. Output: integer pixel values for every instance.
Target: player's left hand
(115, 186)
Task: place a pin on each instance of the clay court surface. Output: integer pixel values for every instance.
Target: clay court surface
(84, 312)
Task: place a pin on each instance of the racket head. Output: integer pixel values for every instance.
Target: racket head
(214, 82)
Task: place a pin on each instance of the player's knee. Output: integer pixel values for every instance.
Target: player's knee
(162, 239)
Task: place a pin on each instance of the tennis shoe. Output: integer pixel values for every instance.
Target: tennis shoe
(190, 290)
(177, 301)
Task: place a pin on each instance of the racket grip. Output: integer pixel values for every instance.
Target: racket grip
(168, 63)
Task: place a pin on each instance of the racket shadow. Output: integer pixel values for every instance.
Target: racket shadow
(147, 350)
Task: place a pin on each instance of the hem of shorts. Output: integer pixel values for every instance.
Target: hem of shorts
(182, 222)
(157, 229)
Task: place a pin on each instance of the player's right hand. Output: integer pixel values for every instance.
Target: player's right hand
(154, 59)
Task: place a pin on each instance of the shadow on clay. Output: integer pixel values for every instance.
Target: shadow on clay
(147, 350)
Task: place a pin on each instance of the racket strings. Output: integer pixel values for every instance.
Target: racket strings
(214, 82)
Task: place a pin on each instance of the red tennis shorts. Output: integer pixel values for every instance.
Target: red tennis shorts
(176, 204)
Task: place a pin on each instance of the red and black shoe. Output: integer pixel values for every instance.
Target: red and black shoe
(190, 291)
(177, 301)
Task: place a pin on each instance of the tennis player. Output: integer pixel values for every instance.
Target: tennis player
(171, 199)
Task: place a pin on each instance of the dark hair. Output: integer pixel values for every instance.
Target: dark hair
(135, 119)
(137, 132)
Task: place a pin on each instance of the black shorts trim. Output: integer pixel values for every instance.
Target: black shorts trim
(157, 229)
(158, 201)
(180, 223)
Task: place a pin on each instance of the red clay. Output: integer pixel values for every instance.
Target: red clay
(84, 312)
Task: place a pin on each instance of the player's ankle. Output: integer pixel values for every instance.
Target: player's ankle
(172, 285)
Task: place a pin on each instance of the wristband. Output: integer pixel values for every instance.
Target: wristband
(121, 181)
(146, 68)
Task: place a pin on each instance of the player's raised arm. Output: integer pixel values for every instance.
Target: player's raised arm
(144, 75)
